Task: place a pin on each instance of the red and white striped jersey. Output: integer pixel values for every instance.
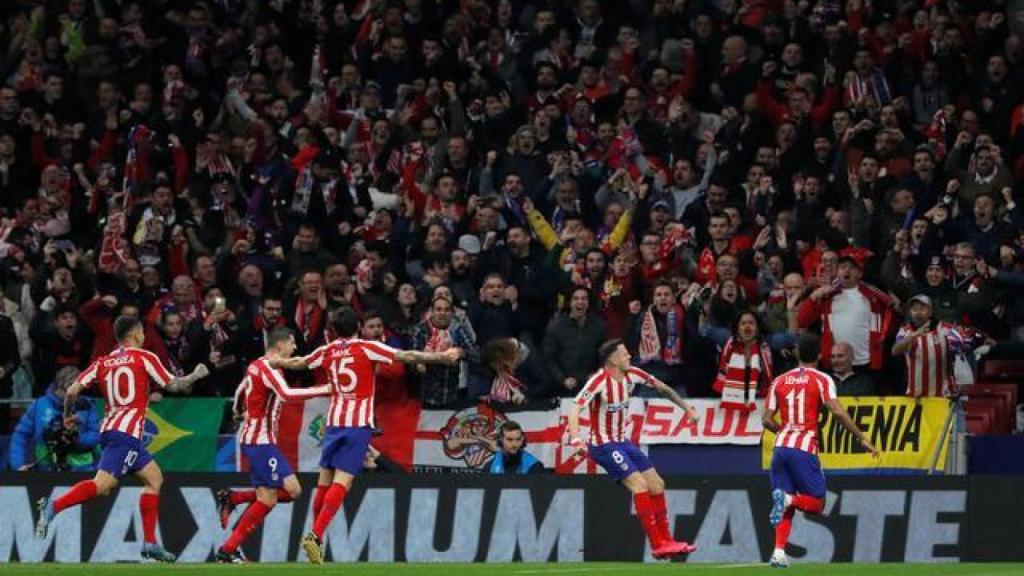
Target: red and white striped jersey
(124, 377)
(260, 395)
(798, 395)
(351, 372)
(608, 399)
(929, 360)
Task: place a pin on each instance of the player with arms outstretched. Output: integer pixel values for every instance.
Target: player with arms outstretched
(798, 396)
(350, 364)
(606, 395)
(258, 402)
(124, 378)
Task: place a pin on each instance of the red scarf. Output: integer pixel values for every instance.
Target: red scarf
(440, 339)
(308, 318)
(651, 347)
(747, 375)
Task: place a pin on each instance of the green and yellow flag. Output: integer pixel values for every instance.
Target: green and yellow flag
(181, 433)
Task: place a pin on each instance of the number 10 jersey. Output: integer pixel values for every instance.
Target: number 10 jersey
(124, 376)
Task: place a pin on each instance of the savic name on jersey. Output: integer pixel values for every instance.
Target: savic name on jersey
(124, 377)
(351, 373)
(608, 399)
(798, 396)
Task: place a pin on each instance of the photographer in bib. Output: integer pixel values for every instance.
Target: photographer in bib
(42, 442)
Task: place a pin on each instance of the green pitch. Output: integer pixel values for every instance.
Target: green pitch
(597, 568)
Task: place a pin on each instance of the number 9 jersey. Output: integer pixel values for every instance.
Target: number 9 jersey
(124, 377)
(351, 367)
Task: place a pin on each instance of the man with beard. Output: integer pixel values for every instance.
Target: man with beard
(928, 347)
(460, 276)
(443, 385)
(253, 336)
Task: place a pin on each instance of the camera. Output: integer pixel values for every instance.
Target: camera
(61, 442)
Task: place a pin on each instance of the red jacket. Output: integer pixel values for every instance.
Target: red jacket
(881, 322)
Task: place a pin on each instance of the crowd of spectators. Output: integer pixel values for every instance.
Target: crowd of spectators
(520, 178)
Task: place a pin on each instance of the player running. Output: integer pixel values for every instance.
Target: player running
(607, 393)
(258, 401)
(124, 376)
(797, 481)
(350, 364)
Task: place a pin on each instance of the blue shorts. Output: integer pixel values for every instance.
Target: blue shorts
(122, 454)
(797, 472)
(620, 459)
(268, 467)
(345, 448)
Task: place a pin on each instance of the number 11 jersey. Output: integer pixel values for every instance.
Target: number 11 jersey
(124, 376)
(798, 395)
(351, 367)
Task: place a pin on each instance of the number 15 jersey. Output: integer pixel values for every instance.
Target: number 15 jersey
(351, 367)
(124, 377)
(798, 395)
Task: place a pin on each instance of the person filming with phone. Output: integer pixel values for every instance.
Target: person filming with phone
(215, 336)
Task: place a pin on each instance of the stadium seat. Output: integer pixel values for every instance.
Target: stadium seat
(1007, 391)
(1002, 371)
(978, 423)
(996, 405)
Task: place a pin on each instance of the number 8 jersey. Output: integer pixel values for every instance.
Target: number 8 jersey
(124, 377)
(351, 367)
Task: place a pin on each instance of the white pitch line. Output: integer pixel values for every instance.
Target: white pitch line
(568, 571)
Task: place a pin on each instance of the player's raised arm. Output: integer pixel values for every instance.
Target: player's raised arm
(666, 391)
(296, 363)
(184, 383)
(844, 419)
(449, 356)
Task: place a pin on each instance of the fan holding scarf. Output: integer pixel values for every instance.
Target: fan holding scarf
(656, 334)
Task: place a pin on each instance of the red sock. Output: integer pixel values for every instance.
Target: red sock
(242, 496)
(252, 518)
(332, 502)
(642, 501)
(783, 528)
(318, 500)
(808, 504)
(660, 510)
(81, 492)
(283, 495)
(149, 505)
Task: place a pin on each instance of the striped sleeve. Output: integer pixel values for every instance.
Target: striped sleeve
(771, 405)
(85, 379)
(641, 376)
(276, 382)
(828, 387)
(155, 368)
(316, 358)
(378, 352)
(590, 389)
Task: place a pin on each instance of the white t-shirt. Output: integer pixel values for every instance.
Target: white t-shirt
(851, 322)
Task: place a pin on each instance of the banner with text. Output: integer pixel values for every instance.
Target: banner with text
(908, 432)
(428, 518)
